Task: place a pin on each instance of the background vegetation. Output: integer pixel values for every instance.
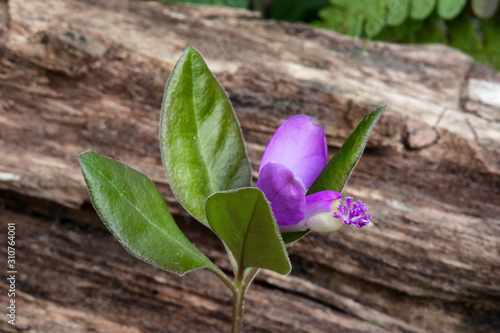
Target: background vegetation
(472, 26)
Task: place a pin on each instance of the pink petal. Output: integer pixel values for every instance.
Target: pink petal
(319, 208)
(300, 145)
(320, 202)
(285, 191)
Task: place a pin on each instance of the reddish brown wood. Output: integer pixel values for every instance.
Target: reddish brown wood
(81, 75)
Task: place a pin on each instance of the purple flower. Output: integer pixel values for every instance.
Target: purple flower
(293, 159)
(353, 214)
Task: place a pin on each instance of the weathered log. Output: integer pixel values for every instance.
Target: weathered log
(81, 75)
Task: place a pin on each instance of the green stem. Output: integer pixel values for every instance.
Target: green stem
(224, 278)
(243, 281)
(237, 324)
(251, 274)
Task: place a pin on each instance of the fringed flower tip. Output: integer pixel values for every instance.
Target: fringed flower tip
(353, 213)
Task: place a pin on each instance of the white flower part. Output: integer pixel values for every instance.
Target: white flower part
(323, 222)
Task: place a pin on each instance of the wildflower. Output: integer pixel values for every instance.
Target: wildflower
(293, 159)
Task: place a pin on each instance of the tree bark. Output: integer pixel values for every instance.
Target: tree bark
(79, 75)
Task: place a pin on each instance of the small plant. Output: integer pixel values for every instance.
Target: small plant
(209, 172)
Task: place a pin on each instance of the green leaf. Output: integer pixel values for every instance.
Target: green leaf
(343, 3)
(421, 9)
(339, 169)
(343, 21)
(490, 29)
(397, 12)
(490, 54)
(449, 9)
(200, 139)
(295, 10)
(484, 9)
(347, 16)
(245, 223)
(376, 17)
(290, 237)
(136, 214)
(429, 31)
(462, 33)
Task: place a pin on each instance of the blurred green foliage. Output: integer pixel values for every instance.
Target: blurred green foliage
(472, 26)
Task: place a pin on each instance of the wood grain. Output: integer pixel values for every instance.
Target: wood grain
(79, 75)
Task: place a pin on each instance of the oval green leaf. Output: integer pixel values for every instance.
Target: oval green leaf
(484, 9)
(134, 211)
(376, 19)
(449, 9)
(243, 220)
(339, 169)
(200, 138)
(397, 12)
(421, 9)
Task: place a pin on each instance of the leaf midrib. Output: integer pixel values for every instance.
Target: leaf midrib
(245, 237)
(198, 138)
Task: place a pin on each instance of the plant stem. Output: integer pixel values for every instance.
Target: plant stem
(242, 283)
(239, 287)
(224, 278)
(237, 324)
(251, 274)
